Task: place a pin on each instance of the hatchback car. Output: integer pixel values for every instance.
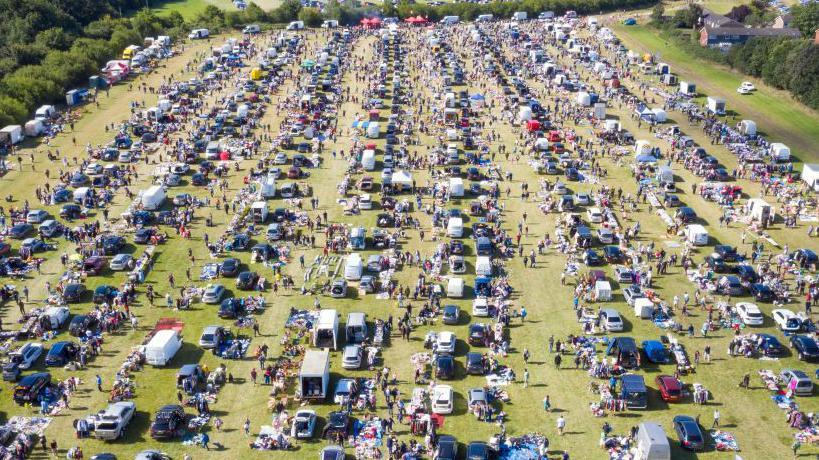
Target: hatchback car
(446, 342)
(610, 320)
(750, 314)
(211, 337)
(689, 432)
(120, 262)
(670, 388)
(442, 402)
(805, 347)
(213, 294)
(169, 422)
(445, 367)
(475, 364)
(451, 314)
(352, 357)
(229, 267)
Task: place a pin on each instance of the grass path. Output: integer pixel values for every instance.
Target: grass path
(777, 114)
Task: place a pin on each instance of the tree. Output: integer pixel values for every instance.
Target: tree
(11, 111)
(806, 18)
(739, 13)
(287, 11)
(657, 13)
(311, 16)
(688, 17)
(54, 38)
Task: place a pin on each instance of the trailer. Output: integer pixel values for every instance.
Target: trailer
(715, 105)
(810, 175)
(14, 133)
(314, 375)
(325, 332)
(259, 211)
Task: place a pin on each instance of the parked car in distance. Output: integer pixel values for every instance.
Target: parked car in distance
(169, 422)
(750, 314)
(805, 346)
(304, 424)
(442, 399)
(213, 293)
(803, 385)
(670, 388)
(786, 320)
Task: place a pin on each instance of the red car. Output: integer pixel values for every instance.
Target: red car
(294, 172)
(670, 388)
(554, 136)
(94, 265)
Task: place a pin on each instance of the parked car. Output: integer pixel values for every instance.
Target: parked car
(229, 267)
(120, 262)
(447, 446)
(445, 367)
(671, 389)
(750, 314)
(786, 320)
(21, 359)
(475, 363)
(169, 422)
(61, 353)
(689, 432)
(304, 424)
(213, 293)
(442, 400)
(451, 314)
(610, 320)
(770, 346)
(29, 387)
(338, 422)
(803, 385)
(352, 357)
(110, 423)
(632, 293)
(446, 343)
(74, 292)
(806, 347)
(247, 280)
(211, 337)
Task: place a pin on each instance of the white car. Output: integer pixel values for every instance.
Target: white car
(37, 216)
(304, 423)
(742, 90)
(365, 201)
(787, 320)
(605, 236)
(93, 169)
(120, 262)
(748, 86)
(594, 215)
(610, 320)
(110, 423)
(750, 314)
(352, 357)
(26, 355)
(446, 343)
(480, 307)
(442, 399)
(582, 199)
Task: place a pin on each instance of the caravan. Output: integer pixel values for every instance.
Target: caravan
(696, 234)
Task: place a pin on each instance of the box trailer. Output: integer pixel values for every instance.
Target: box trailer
(520, 16)
(325, 332)
(696, 234)
(162, 347)
(810, 175)
(715, 105)
(651, 443)
(258, 211)
(760, 211)
(643, 308)
(153, 197)
(14, 133)
(602, 290)
(45, 112)
(688, 88)
(314, 375)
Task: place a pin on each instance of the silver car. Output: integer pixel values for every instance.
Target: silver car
(120, 262)
(211, 335)
(352, 357)
(213, 294)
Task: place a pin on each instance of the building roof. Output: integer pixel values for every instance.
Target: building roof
(753, 31)
(712, 19)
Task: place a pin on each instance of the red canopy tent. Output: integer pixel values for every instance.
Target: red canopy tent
(415, 20)
(371, 23)
(532, 125)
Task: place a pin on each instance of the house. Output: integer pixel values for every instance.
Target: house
(714, 20)
(782, 21)
(728, 36)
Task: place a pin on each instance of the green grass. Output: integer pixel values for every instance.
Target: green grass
(777, 114)
(758, 424)
(189, 9)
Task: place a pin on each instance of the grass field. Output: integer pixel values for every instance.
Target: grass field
(778, 115)
(749, 414)
(190, 8)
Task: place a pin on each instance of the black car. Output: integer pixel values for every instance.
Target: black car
(169, 422)
(672, 201)
(247, 280)
(761, 292)
(71, 211)
(240, 242)
(143, 218)
(717, 264)
(456, 247)
(613, 254)
(73, 292)
(477, 334)
(112, 244)
(338, 422)
(770, 346)
(144, 235)
(82, 323)
(475, 364)
(447, 448)
(746, 273)
(728, 253)
(279, 215)
(231, 308)
(229, 267)
(805, 347)
(590, 257)
(61, 353)
(689, 432)
(30, 386)
(686, 214)
(199, 179)
(385, 220)
(20, 231)
(445, 367)
(477, 451)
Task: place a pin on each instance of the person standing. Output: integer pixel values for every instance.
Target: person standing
(547, 404)
(526, 378)
(246, 426)
(716, 419)
(558, 359)
(561, 425)
(99, 383)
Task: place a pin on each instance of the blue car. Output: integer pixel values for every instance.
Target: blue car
(689, 432)
(770, 346)
(61, 353)
(805, 347)
(61, 195)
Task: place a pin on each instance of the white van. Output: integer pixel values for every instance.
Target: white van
(483, 266)
(484, 18)
(456, 187)
(450, 20)
(368, 160)
(162, 347)
(329, 24)
(295, 25)
(54, 317)
(153, 197)
(696, 234)
(455, 288)
(455, 227)
(354, 267)
(199, 34)
(251, 29)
